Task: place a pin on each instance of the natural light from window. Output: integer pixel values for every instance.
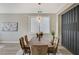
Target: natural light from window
(44, 25)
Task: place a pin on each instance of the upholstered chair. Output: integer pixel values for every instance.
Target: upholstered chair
(37, 35)
(41, 34)
(54, 47)
(25, 47)
(26, 39)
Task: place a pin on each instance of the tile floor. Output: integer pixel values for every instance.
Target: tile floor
(9, 48)
(14, 49)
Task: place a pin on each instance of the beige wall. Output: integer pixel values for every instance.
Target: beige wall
(53, 23)
(23, 26)
(59, 25)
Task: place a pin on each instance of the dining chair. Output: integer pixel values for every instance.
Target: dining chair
(26, 39)
(54, 47)
(52, 41)
(41, 34)
(37, 35)
(24, 47)
(39, 49)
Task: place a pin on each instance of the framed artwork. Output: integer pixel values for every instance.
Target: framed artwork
(8, 26)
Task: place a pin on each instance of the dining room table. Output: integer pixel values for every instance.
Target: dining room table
(43, 41)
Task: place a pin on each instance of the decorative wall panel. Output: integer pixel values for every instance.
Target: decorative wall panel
(8, 26)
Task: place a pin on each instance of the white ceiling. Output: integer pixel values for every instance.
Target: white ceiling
(31, 7)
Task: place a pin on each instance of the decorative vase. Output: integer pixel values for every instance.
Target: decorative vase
(39, 38)
(53, 34)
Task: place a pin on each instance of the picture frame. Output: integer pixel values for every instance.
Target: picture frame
(8, 26)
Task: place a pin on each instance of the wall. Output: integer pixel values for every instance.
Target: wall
(23, 26)
(53, 23)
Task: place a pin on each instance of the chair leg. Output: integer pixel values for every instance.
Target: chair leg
(29, 53)
(54, 53)
(23, 53)
(48, 53)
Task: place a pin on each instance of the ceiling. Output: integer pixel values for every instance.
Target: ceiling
(31, 7)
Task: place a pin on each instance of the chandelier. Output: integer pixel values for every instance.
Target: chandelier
(39, 17)
(39, 13)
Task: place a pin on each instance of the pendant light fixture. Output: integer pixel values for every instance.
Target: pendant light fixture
(39, 15)
(39, 12)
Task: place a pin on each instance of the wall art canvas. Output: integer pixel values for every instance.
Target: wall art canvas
(8, 26)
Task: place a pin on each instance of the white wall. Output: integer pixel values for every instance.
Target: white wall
(23, 26)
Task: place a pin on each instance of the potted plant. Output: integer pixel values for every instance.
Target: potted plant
(53, 34)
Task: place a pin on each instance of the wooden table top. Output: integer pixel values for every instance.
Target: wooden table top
(43, 41)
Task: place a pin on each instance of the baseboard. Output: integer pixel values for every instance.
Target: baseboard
(9, 41)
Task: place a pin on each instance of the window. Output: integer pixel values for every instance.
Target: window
(43, 26)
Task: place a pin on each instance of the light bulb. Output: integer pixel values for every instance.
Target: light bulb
(39, 18)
